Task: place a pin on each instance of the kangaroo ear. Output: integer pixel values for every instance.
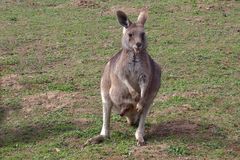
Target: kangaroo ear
(142, 17)
(123, 19)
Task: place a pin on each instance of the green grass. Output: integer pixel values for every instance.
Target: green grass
(52, 53)
(178, 150)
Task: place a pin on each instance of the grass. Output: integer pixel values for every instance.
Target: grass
(178, 150)
(52, 53)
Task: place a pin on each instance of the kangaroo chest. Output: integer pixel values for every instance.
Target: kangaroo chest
(135, 71)
(134, 68)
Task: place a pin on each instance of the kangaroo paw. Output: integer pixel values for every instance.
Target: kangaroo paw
(139, 107)
(135, 96)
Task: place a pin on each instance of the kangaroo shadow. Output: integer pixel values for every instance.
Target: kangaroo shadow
(35, 132)
(3, 112)
(5, 109)
(192, 131)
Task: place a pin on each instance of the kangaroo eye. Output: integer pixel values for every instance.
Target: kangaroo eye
(142, 35)
(130, 34)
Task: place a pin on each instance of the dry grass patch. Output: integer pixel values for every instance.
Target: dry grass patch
(86, 4)
(73, 142)
(50, 101)
(178, 8)
(115, 158)
(178, 109)
(150, 152)
(127, 9)
(36, 45)
(190, 94)
(223, 6)
(11, 81)
(81, 122)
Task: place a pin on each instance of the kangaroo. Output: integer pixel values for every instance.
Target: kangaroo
(130, 81)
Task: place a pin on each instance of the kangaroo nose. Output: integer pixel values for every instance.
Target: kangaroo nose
(138, 44)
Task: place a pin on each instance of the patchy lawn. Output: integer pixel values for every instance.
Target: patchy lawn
(52, 53)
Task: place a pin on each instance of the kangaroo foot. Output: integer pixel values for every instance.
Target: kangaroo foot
(94, 140)
(141, 143)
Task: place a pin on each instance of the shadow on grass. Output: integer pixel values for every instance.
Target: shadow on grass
(207, 135)
(35, 132)
(7, 106)
(186, 129)
(3, 112)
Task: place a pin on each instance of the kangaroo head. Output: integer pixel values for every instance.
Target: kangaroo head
(133, 38)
